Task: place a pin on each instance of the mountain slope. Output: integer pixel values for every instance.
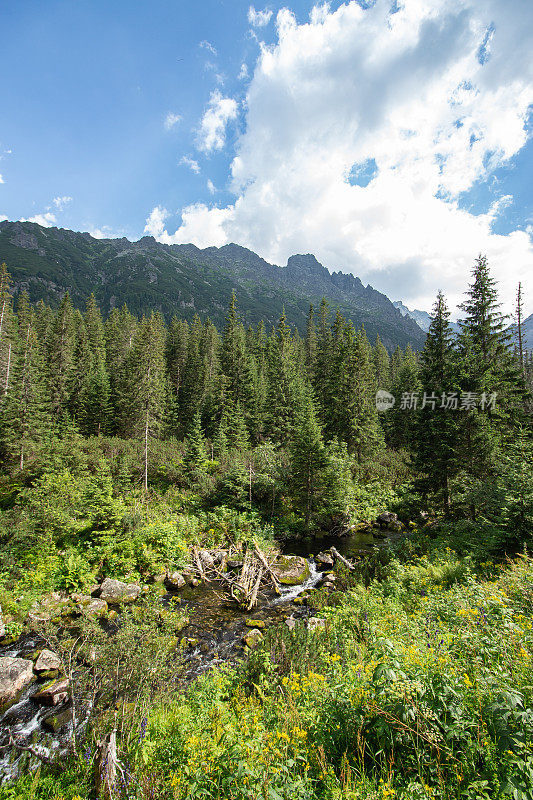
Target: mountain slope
(185, 280)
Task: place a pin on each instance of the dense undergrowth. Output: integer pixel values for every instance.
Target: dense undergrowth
(420, 686)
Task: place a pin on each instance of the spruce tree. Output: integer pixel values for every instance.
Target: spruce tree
(435, 455)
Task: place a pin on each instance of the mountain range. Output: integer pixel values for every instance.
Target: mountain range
(186, 280)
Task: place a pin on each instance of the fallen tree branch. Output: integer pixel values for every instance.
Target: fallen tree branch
(334, 552)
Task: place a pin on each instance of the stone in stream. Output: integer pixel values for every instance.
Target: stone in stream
(53, 693)
(113, 591)
(291, 570)
(174, 580)
(256, 623)
(55, 722)
(46, 661)
(253, 638)
(324, 559)
(15, 675)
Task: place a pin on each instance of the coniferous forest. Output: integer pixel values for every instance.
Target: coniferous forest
(165, 483)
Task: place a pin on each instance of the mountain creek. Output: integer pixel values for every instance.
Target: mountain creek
(215, 632)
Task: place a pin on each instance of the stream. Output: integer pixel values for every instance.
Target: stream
(217, 627)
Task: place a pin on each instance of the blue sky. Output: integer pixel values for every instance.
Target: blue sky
(392, 139)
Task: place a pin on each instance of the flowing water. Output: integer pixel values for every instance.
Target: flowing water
(215, 631)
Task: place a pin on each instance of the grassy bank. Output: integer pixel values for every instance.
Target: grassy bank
(419, 686)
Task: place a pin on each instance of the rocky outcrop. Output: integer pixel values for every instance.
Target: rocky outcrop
(117, 592)
(15, 674)
(291, 570)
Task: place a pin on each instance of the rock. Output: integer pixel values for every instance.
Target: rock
(324, 559)
(92, 606)
(206, 558)
(57, 721)
(113, 591)
(174, 580)
(49, 607)
(15, 674)
(253, 638)
(53, 693)
(315, 622)
(256, 623)
(290, 622)
(195, 582)
(234, 563)
(291, 570)
(386, 519)
(47, 660)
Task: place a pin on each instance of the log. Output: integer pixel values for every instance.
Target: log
(334, 552)
(264, 562)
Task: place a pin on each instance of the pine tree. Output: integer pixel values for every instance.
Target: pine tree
(26, 412)
(435, 456)
(195, 453)
(381, 362)
(148, 356)
(61, 346)
(308, 461)
(488, 370)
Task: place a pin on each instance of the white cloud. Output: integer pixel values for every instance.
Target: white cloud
(258, 19)
(105, 232)
(437, 94)
(171, 120)
(61, 202)
(187, 161)
(2, 179)
(47, 219)
(211, 188)
(212, 133)
(155, 224)
(205, 45)
(3, 217)
(243, 74)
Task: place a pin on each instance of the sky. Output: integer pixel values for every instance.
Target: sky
(391, 138)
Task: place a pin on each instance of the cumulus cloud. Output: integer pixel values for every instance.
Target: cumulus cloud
(258, 19)
(46, 219)
(212, 133)
(435, 93)
(187, 161)
(171, 120)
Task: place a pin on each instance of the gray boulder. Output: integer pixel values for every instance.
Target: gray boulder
(174, 580)
(15, 674)
(53, 693)
(324, 559)
(113, 591)
(47, 660)
(315, 622)
(291, 570)
(253, 638)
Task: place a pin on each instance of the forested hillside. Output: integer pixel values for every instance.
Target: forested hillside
(184, 280)
(163, 484)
